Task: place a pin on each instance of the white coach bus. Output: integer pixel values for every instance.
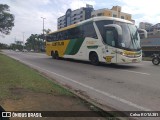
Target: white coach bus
(99, 39)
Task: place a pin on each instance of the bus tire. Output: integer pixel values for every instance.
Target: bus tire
(93, 57)
(56, 55)
(53, 55)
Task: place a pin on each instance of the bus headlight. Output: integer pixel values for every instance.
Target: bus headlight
(130, 54)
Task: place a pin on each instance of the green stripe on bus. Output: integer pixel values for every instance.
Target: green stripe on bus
(74, 46)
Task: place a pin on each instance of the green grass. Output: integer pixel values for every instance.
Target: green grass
(16, 75)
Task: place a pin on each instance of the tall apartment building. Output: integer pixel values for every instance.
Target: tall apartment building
(114, 12)
(145, 25)
(151, 44)
(151, 29)
(72, 17)
(78, 15)
(156, 26)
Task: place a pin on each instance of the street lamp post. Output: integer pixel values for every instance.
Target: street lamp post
(43, 27)
(37, 41)
(23, 40)
(43, 30)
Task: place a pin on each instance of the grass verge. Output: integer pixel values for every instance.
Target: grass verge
(16, 75)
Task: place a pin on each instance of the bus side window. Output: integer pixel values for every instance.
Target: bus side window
(49, 39)
(88, 30)
(74, 33)
(66, 34)
(56, 36)
(81, 32)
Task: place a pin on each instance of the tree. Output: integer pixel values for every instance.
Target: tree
(47, 31)
(17, 45)
(3, 46)
(6, 19)
(35, 42)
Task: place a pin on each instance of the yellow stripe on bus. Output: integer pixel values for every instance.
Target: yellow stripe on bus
(59, 46)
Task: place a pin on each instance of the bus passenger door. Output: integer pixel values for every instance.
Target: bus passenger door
(110, 37)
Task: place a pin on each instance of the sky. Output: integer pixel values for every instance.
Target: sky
(28, 13)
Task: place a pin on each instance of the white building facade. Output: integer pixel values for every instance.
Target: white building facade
(72, 17)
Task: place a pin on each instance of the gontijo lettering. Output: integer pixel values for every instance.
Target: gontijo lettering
(57, 43)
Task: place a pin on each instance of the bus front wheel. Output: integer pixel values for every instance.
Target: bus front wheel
(94, 58)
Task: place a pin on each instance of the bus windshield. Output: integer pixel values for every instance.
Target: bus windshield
(130, 38)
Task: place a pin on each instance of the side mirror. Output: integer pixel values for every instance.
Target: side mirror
(142, 33)
(112, 33)
(116, 27)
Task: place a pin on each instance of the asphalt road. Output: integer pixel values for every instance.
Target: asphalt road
(127, 87)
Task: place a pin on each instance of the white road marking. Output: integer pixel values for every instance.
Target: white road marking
(89, 87)
(137, 72)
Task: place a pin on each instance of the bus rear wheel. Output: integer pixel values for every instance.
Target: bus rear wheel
(94, 58)
(53, 55)
(56, 55)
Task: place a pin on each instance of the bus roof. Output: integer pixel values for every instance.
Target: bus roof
(65, 28)
(92, 19)
(111, 18)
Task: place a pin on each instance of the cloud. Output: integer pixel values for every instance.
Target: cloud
(74, 4)
(149, 10)
(27, 18)
(28, 15)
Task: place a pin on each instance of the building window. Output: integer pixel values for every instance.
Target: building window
(68, 17)
(114, 15)
(122, 17)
